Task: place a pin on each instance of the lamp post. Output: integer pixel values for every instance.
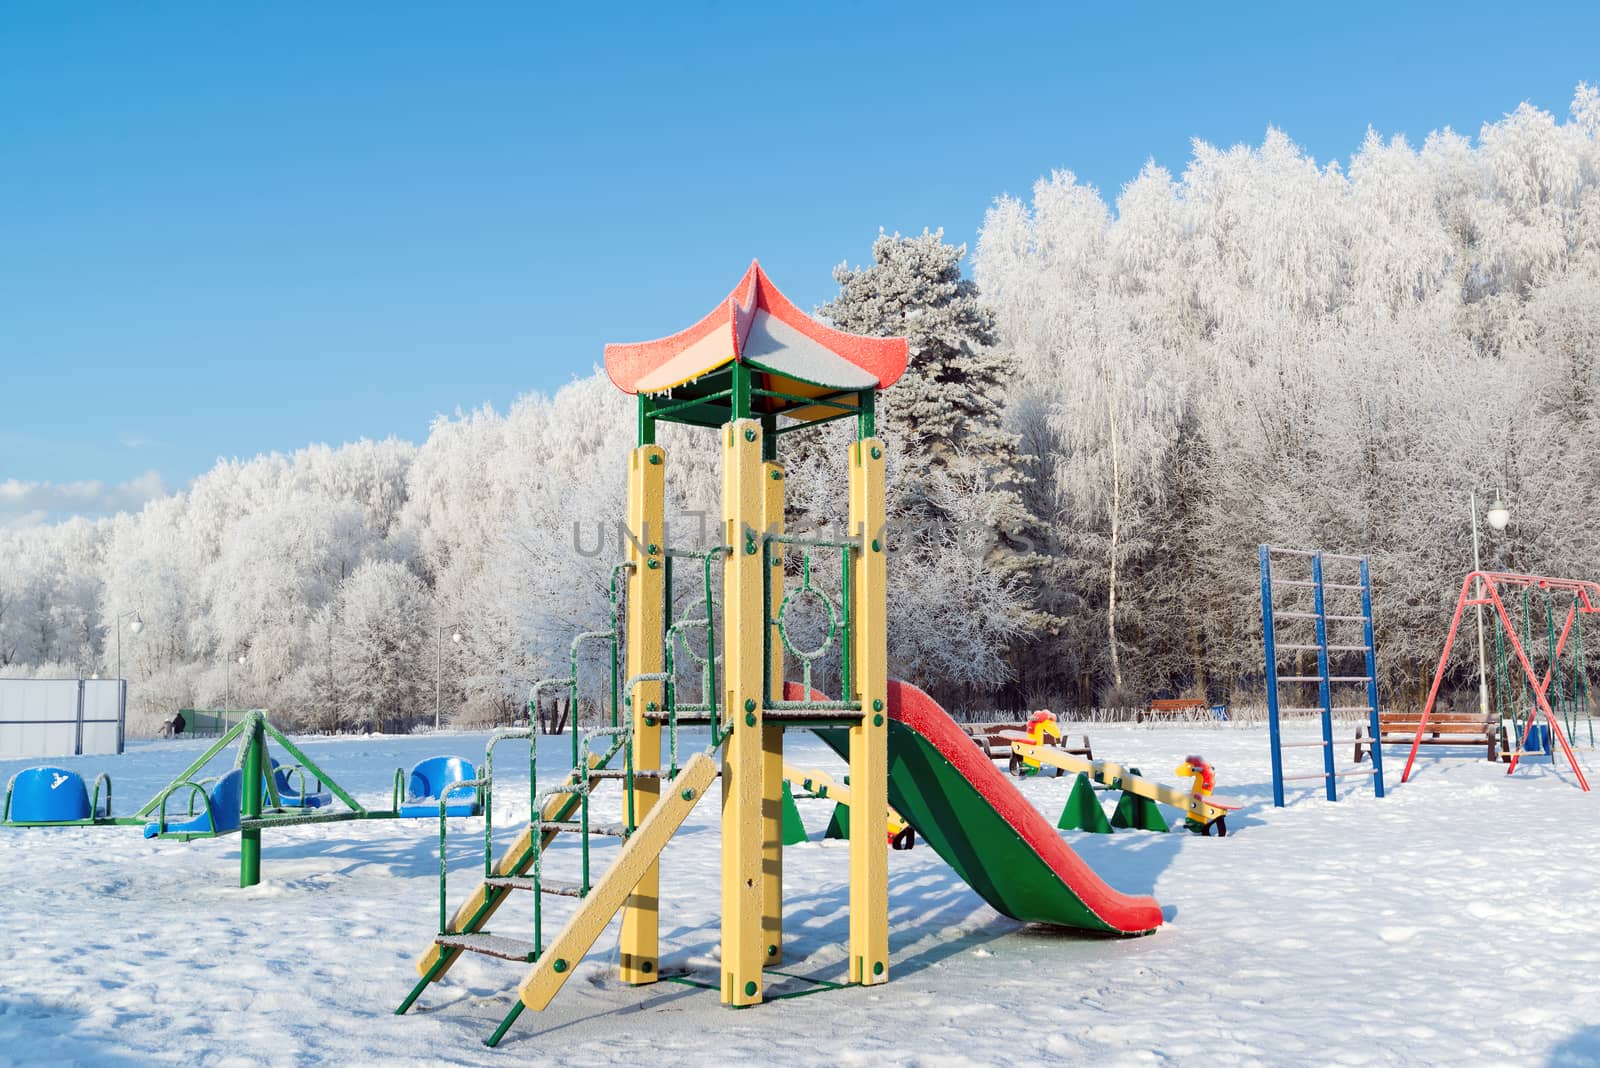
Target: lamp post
(134, 627)
(438, 666)
(1497, 517)
(227, 680)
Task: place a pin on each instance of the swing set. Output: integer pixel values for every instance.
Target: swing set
(1561, 674)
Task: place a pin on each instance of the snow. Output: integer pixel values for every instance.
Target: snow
(1450, 922)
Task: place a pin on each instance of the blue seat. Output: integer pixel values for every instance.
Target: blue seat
(47, 795)
(226, 799)
(431, 779)
(289, 797)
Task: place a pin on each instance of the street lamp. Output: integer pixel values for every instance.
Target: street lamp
(1497, 517)
(227, 680)
(134, 627)
(438, 666)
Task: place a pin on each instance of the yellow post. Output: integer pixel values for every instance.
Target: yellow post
(869, 741)
(772, 475)
(641, 918)
(743, 951)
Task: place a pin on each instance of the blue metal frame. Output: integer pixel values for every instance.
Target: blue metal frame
(1373, 727)
(1269, 639)
(1324, 674)
(1324, 690)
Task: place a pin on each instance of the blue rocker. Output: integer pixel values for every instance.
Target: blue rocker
(220, 814)
(289, 796)
(431, 780)
(46, 795)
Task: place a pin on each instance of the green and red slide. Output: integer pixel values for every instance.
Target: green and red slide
(955, 797)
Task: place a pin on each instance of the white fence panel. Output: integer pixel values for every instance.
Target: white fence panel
(61, 717)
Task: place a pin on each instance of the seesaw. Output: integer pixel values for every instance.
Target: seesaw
(1203, 811)
(819, 784)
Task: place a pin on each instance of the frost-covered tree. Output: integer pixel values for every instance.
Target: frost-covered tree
(380, 646)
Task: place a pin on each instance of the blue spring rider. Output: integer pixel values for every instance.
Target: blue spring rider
(429, 781)
(53, 795)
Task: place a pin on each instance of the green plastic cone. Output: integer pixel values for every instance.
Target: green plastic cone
(1083, 811)
(1138, 813)
(794, 832)
(838, 823)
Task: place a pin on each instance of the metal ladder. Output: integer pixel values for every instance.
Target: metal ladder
(565, 807)
(1325, 679)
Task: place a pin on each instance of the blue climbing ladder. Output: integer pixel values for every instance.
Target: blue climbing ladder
(1336, 678)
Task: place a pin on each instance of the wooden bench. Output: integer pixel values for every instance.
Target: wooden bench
(1444, 728)
(993, 739)
(1174, 708)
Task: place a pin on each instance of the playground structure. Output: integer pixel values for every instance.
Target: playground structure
(1333, 683)
(1562, 671)
(255, 793)
(1203, 813)
(755, 370)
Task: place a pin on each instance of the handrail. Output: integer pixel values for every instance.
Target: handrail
(211, 815)
(495, 739)
(444, 868)
(94, 802)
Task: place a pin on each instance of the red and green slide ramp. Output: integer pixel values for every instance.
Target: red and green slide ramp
(955, 797)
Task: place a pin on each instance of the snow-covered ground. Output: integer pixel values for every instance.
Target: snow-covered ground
(1451, 922)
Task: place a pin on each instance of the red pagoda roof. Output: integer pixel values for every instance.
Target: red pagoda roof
(757, 325)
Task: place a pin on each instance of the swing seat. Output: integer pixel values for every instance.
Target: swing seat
(431, 780)
(220, 817)
(289, 797)
(48, 795)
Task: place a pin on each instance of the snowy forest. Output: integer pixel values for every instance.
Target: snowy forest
(1109, 405)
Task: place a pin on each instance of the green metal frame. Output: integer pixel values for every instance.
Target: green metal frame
(841, 622)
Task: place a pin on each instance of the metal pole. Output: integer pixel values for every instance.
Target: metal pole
(250, 838)
(438, 672)
(1477, 565)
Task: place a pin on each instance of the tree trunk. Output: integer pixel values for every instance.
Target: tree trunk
(1116, 516)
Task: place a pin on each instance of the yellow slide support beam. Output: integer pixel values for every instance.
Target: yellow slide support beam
(744, 951)
(640, 944)
(1114, 775)
(869, 740)
(772, 766)
(638, 855)
(507, 864)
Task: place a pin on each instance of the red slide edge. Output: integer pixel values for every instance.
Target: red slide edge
(1126, 913)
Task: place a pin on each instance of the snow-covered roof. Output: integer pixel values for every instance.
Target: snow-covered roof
(758, 325)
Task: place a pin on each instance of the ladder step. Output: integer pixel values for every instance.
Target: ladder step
(1349, 678)
(512, 882)
(1345, 619)
(620, 773)
(1294, 615)
(491, 946)
(550, 886)
(1293, 582)
(1300, 678)
(615, 830)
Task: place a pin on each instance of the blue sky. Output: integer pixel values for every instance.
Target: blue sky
(231, 228)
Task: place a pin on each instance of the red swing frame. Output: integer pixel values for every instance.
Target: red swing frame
(1585, 599)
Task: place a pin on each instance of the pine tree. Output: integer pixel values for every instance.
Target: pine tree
(946, 416)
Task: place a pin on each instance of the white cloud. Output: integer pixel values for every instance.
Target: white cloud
(24, 504)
